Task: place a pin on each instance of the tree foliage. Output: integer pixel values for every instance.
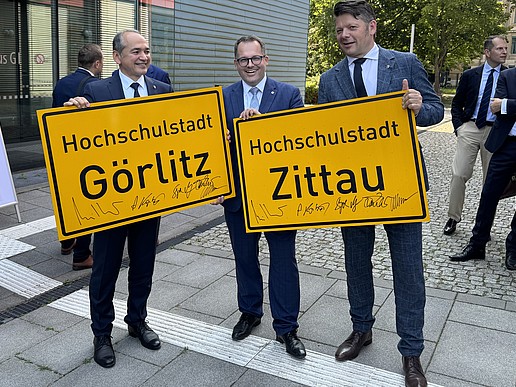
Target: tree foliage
(448, 33)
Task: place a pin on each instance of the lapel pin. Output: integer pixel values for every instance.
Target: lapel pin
(272, 92)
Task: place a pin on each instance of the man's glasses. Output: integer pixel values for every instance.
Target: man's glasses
(256, 60)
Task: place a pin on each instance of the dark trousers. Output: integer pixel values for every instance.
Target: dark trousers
(405, 245)
(501, 167)
(108, 248)
(284, 293)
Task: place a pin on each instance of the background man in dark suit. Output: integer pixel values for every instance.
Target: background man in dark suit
(502, 143)
(255, 94)
(472, 122)
(383, 71)
(159, 74)
(90, 61)
(132, 54)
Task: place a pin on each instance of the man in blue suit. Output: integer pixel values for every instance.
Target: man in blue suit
(255, 94)
(502, 143)
(132, 54)
(90, 62)
(159, 74)
(369, 69)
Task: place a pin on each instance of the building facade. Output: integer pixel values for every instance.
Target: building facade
(191, 40)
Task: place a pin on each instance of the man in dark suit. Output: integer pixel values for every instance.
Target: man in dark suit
(502, 143)
(472, 121)
(255, 94)
(90, 61)
(159, 74)
(382, 71)
(132, 54)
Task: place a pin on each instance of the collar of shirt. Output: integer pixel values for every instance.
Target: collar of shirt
(128, 90)
(247, 95)
(82, 68)
(369, 69)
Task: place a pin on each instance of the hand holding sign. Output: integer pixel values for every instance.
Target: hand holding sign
(412, 99)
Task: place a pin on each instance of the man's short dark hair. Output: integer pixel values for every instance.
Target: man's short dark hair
(249, 38)
(488, 43)
(119, 41)
(359, 9)
(88, 55)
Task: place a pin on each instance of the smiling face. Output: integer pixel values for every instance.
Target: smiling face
(134, 59)
(251, 73)
(354, 36)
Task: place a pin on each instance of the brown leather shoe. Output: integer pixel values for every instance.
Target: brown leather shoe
(352, 346)
(414, 375)
(86, 264)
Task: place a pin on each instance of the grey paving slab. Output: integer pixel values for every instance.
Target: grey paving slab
(255, 378)
(20, 373)
(131, 347)
(179, 257)
(193, 369)
(312, 288)
(197, 316)
(443, 380)
(482, 316)
(52, 319)
(128, 372)
(475, 354)
(18, 335)
(64, 351)
(167, 295)
(201, 272)
(217, 299)
(31, 258)
(326, 321)
(162, 269)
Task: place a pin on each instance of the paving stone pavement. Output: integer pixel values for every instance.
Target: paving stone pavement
(470, 334)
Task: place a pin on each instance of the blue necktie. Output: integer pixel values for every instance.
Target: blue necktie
(484, 102)
(254, 100)
(357, 78)
(135, 86)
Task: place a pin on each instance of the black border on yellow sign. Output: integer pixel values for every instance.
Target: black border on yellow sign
(122, 102)
(418, 164)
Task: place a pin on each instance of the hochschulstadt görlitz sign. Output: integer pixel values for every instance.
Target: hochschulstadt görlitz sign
(123, 161)
(354, 162)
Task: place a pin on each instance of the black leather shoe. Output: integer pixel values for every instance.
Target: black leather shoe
(245, 325)
(294, 346)
(468, 253)
(103, 353)
(414, 375)
(510, 260)
(147, 336)
(450, 227)
(352, 346)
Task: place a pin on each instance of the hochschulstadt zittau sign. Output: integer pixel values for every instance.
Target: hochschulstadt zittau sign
(354, 162)
(123, 161)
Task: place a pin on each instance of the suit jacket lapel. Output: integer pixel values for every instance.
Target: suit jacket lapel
(344, 79)
(151, 86)
(115, 87)
(236, 100)
(385, 68)
(269, 93)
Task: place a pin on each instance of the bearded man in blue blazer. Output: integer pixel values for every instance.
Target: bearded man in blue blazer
(132, 54)
(256, 93)
(382, 71)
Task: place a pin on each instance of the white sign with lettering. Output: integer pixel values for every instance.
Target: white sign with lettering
(7, 191)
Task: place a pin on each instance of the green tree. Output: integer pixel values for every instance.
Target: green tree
(455, 31)
(448, 33)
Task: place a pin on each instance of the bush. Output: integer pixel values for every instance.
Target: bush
(311, 90)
